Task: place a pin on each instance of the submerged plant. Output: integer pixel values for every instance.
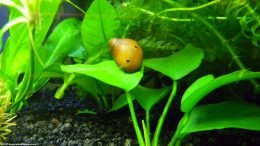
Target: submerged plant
(180, 40)
(5, 117)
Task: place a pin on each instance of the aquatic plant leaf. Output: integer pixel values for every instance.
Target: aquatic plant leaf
(148, 97)
(120, 102)
(64, 40)
(17, 45)
(228, 114)
(48, 10)
(87, 111)
(178, 64)
(203, 86)
(107, 72)
(98, 26)
(15, 56)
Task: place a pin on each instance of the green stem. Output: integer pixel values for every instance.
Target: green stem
(133, 116)
(74, 5)
(34, 49)
(147, 118)
(189, 9)
(72, 76)
(126, 30)
(59, 94)
(164, 114)
(164, 17)
(177, 137)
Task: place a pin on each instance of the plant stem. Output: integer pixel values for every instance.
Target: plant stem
(177, 137)
(189, 9)
(74, 5)
(164, 114)
(133, 116)
(164, 17)
(147, 118)
(67, 82)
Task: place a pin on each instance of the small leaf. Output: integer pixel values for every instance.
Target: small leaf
(87, 111)
(98, 26)
(196, 92)
(228, 114)
(107, 72)
(148, 97)
(120, 102)
(178, 64)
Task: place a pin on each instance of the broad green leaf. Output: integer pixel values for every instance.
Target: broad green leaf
(148, 97)
(196, 92)
(48, 10)
(197, 85)
(18, 46)
(15, 56)
(107, 72)
(228, 114)
(64, 40)
(98, 26)
(178, 64)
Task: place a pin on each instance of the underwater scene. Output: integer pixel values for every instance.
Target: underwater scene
(130, 72)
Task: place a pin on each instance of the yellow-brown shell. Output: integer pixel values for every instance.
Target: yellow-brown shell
(126, 53)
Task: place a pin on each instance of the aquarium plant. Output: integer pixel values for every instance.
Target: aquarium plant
(184, 45)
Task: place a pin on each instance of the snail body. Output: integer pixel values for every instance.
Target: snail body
(127, 54)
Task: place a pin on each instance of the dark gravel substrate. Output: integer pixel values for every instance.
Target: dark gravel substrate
(50, 122)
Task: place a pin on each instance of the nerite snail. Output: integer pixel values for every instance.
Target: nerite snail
(126, 53)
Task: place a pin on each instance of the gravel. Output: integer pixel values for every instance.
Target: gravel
(50, 122)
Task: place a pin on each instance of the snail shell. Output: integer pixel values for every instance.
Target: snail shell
(126, 53)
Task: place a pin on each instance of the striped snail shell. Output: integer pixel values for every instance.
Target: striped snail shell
(127, 54)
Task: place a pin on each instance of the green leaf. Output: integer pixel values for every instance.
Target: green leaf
(16, 46)
(148, 97)
(64, 40)
(87, 111)
(120, 102)
(107, 72)
(7, 84)
(203, 86)
(48, 10)
(228, 114)
(178, 64)
(197, 85)
(98, 26)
